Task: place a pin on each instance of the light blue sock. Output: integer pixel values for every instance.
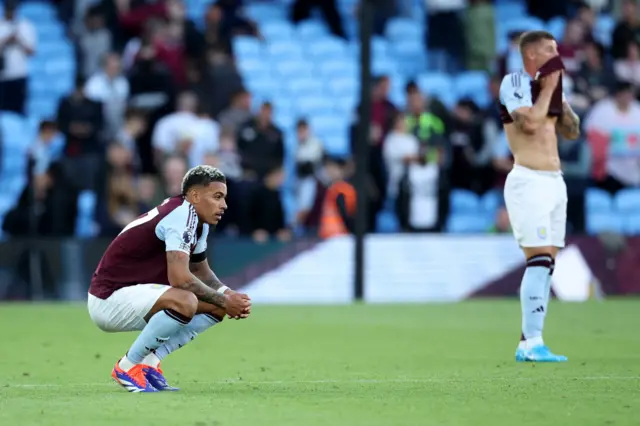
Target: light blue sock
(160, 328)
(534, 297)
(199, 324)
(548, 290)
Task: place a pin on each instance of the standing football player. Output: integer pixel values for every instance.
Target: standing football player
(535, 193)
(154, 277)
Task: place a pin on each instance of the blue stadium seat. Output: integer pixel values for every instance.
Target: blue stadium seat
(337, 144)
(387, 222)
(294, 69)
(37, 11)
(404, 29)
(338, 68)
(277, 31)
(307, 87)
(11, 124)
(85, 226)
(604, 222)
(254, 66)
(463, 201)
(627, 201)
(411, 56)
(285, 50)
(317, 105)
(467, 223)
(263, 86)
(598, 201)
(436, 84)
(603, 30)
(491, 202)
(50, 31)
(327, 48)
(246, 47)
(632, 224)
(509, 10)
(556, 27)
(473, 85)
(384, 65)
(344, 86)
(311, 29)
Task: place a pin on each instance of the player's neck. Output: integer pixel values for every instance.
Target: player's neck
(531, 71)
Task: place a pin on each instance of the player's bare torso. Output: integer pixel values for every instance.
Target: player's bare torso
(538, 151)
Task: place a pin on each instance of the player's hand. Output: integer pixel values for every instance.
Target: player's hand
(238, 305)
(550, 82)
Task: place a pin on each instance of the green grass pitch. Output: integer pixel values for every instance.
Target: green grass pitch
(440, 365)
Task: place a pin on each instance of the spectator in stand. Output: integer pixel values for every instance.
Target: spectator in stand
(238, 113)
(81, 120)
(594, 80)
(110, 88)
(54, 200)
(224, 78)
(587, 15)
(266, 210)
(188, 131)
(135, 124)
(571, 47)
(261, 145)
(401, 148)
(480, 37)
(309, 155)
(575, 158)
(627, 30)
(470, 166)
(173, 170)
(446, 36)
(118, 204)
(17, 44)
(94, 41)
(628, 68)
(338, 212)
(612, 129)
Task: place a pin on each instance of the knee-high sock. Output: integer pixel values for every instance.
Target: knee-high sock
(534, 297)
(160, 328)
(199, 324)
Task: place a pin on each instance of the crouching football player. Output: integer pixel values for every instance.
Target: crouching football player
(154, 277)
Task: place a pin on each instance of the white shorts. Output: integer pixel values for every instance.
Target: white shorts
(537, 206)
(126, 308)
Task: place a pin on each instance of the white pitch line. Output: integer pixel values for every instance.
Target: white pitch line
(340, 381)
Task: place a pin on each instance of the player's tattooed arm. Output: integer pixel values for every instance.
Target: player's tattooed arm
(181, 276)
(203, 271)
(569, 123)
(522, 123)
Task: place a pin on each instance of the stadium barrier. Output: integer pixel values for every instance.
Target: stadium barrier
(401, 268)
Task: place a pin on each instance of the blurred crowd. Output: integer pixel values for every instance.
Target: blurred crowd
(156, 94)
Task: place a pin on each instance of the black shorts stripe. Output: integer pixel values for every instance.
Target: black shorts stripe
(540, 260)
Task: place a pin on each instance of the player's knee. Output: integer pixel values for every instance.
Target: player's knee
(184, 302)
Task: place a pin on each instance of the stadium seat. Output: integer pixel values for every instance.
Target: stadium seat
(294, 69)
(632, 224)
(337, 145)
(305, 88)
(491, 201)
(85, 226)
(627, 201)
(598, 201)
(311, 29)
(246, 47)
(315, 106)
(327, 48)
(437, 84)
(277, 31)
(285, 50)
(404, 29)
(603, 30)
(265, 12)
(411, 56)
(463, 201)
(37, 11)
(473, 85)
(598, 223)
(387, 222)
(467, 223)
(556, 27)
(338, 68)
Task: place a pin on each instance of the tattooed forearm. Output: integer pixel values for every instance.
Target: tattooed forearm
(205, 274)
(204, 293)
(522, 123)
(182, 275)
(569, 123)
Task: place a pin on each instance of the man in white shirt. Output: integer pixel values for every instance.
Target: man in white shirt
(17, 43)
(110, 88)
(185, 132)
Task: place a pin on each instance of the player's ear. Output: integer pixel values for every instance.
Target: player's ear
(195, 196)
